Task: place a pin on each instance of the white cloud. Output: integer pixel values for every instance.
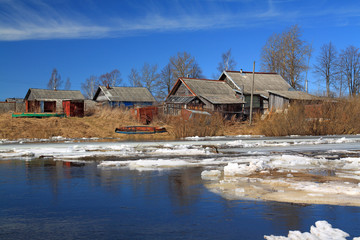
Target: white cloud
(40, 20)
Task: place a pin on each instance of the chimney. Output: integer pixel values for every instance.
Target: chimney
(240, 70)
(107, 86)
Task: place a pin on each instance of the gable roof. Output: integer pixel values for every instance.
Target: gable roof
(214, 91)
(294, 95)
(47, 94)
(263, 81)
(125, 94)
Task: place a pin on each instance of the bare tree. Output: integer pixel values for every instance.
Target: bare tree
(227, 62)
(149, 76)
(89, 87)
(134, 78)
(67, 84)
(349, 66)
(286, 54)
(166, 82)
(184, 65)
(326, 65)
(55, 80)
(271, 52)
(111, 79)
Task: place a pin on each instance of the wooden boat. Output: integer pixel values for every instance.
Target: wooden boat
(140, 130)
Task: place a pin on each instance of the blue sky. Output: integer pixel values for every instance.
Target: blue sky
(92, 37)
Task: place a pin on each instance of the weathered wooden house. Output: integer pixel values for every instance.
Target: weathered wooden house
(55, 101)
(124, 96)
(279, 100)
(203, 95)
(241, 82)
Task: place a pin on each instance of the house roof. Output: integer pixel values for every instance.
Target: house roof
(180, 99)
(294, 95)
(216, 92)
(47, 94)
(126, 94)
(263, 81)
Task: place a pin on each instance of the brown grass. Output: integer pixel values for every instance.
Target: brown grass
(102, 124)
(197, 126)
(336, 117)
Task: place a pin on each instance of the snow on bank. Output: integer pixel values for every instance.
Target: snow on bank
(45, 140)
(321, 231)
(286, 142)
(97, 150)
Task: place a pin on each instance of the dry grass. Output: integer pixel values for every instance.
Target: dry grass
(201, 126)
(337, 117)
(102, 123)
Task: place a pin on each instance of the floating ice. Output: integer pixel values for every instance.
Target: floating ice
(233, 169)
(211, 174)
(321, 231)
(148, 165)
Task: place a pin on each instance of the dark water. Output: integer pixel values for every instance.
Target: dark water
(57, 200)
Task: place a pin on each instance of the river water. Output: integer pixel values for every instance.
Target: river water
(47, 198)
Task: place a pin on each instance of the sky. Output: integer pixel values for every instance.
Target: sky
(92, 37)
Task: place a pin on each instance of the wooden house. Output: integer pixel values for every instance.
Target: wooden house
(241, 82)
(54, 101)
(124, 96)
(203, 95)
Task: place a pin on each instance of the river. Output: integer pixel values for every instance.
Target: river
(88, 190)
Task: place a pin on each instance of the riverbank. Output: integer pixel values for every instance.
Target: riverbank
(102, 125)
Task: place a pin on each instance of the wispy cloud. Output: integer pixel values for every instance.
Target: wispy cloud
(41, 19)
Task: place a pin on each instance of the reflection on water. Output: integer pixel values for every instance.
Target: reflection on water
(45, 199)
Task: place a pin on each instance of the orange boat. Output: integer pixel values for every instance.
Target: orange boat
(140, 130)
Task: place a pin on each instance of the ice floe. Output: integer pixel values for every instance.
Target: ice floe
(321, 231)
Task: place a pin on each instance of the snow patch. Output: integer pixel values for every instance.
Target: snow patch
(321, 231)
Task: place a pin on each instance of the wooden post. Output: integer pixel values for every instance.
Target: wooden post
(252, 94)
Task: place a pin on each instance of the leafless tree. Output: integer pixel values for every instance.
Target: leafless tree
(90, 86)
(166, 81)
(112, 79)
(149, 76)
(134, 78)
(67, 84)
(286, 55)
(326, 65)
(184, 65)
(55, 80)
(349, 66)
(227, 62)
(271, 52)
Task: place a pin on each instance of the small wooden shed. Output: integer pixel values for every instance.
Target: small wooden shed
(279, 100)
(124, 96)
(69, 102)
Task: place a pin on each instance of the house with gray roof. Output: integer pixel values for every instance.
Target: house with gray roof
(241, 82)
(270, 91)
(124, 96)
(203, 95)
(55, 101)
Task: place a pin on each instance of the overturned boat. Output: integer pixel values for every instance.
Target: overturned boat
(140, 130)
